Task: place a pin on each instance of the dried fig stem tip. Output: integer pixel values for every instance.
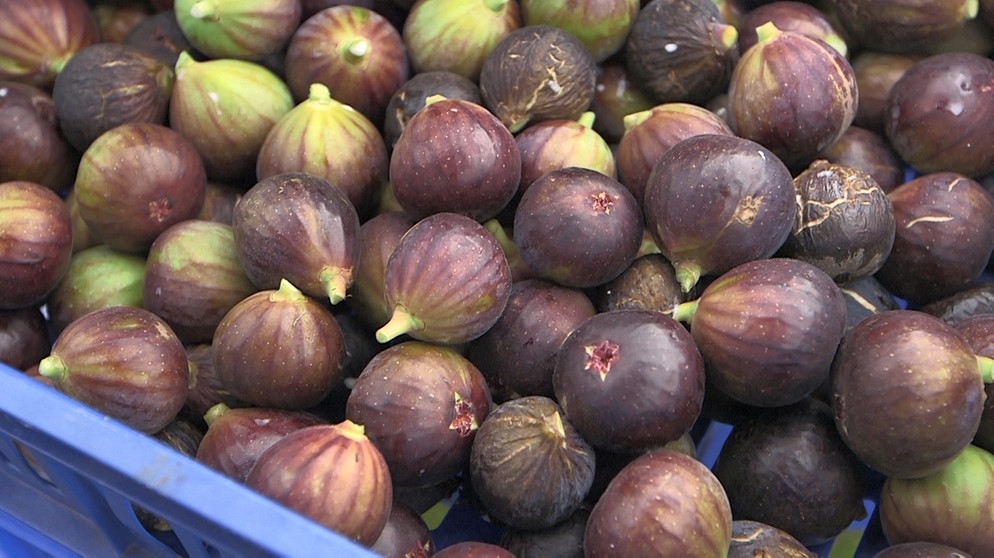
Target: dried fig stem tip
(986, 365)
(52, 367)
(336, 283)
(400, 323)
(215, 412)
(688, 274)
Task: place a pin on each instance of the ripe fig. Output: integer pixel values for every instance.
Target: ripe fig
(406, 535)
(798, 17)
(876, 73)
(411, 96)
(555, 144)
(24, 337)
(963, 304)
(752, 539)
(920, 549)
(32, 147)
(206, 389)
(473, 549)
(979, 333)
(615, 96)
(39, 37)
(378, 238)
(648, 284)
(902, 25)
(244, 29)
(562, 540)
(869, 152)
(97, 277)
(601, 25)
(160, 35)
(865, 297)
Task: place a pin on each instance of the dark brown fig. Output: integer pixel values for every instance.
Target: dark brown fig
(455, 156)
(753, 539)
(867, 151)
(713, 202)
(556, 144)
(876, 73)
(537, 72)
(122, 361)
(518, 354)
(356, 52)
(937, 113)
(630, 380)
(109, 84)
(97, 277)
(446, 282)
(226, 108)
(406, 535)
(951, 506)
(35, 243)
(206, 389)
(457, 36)
(615, 96)
(768, 330)
(799, 17)
(601, 25)
(244, 29)
(298, 226)
(768, 104)
(193, 278)
(378, 237)
(137, 180)
(24, 337)
(650, 133)
(921, 549)
(32, 147)
(160, 35)
(865, 297)
(845, 222)
(473, 549)
(38, 38)
(663, 503)
(963, 304)
(295, 374)
(578, 227)
(681, 51)
(529, 467)
(907, 392)
(813, 499)
(943, 240)
(562, 540)
(648, 284)
(411, 96)
(428, 385)
(979, 333)
(298, 140)
(116, 18)
(331, 473)
(235, 438)
(901, 25)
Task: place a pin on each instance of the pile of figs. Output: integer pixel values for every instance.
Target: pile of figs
(519, 258)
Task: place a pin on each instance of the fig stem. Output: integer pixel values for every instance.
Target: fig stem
(687, 274)
(766, 32)
(318, 93)
(286, 292)
(356, 50)
(53, 368)
(205, 9)
(587, 119)
(336, 283)
(634, 119)
(647, 247)
(495, 5)
(684, 312)
(400, 323)
(986, 365)
(726, 36)
(215, 412)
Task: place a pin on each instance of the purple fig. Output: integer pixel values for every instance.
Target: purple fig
(32, 147)
(24, 337)
(556, 144)
(378, 238)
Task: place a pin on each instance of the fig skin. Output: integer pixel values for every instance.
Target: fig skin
(798, 17)
(876, 73)
(40, 37)
(159, 35)
(137, 180)
(122, 361)
(296, 374)
(537, 72)
(429, 385)
(869, 152)
(979, 333)
(378, 238)
(109, 84)
(630, 380)
(206, 389)
(920, 549)
(864, 297)
(24, 337)
(36, 240)
(473, 549)
(648, 284)
(963, 304)
(907, 393)
(529, 467)
(406, 535)
(298, 226)
(902, 26)
(331, 473)
(244, 29)
(615, 96)
(411, 97)
(447, 281)
(562, 540)
(753, 539)
(555, 144)
(32, 147)
(663, 503)
(98, 277)
(601, 25)
(937, 114)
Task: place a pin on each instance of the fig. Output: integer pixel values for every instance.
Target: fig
(601, 25)
(457, 36)
(32, 148)
(768, 330)
(578, 227)
(876, 73)
(298, 226)
(81, 236)
(663, 503)
(137, 180)
(378, 237)
(447, 281)
(767, 104)
(206, 389)
(40, 37)
(920, 549)
(963, 304)
(907, 392)
(36, 240)
(160, 35)
(423, 384)
(473, 549)
(455, 156)
(902, 25)
(615, 96)
(298, 143)
(226, 108)
(529, 466)
(193, 278)
(219, 202)
(116, 18)
(681, 51)
(244, 29)
(411, 96)
(109, 84)
(936, 114)
(354, 51)
(331, 473)
(951, 506)
(97, 277)
(713, 202)
(537, 72)
(123, 361)
(562, 540)
(236, 438)
(24, 337)
(296, 374)
(943, 234)
(406, 535)
(648, 284)
(630, 380)
(865, 297)
(556, 144)
(869, 152)
(798, 17)
(184, 437)
(845, 222)
(753, 539)
(979, 333)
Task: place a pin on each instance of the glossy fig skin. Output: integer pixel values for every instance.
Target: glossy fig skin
(97, 277)
(410, 98)
(24, 337)
(615, 96)
(867, 151)
(876, 73)
(907, 393)
(39, 37)
(331, 473)
(378, 237)
(122, 361)
(406, 535)
(36, 239)
(979, 333)
(663, 503)
(902, 26)
(429, 385)
(798, 17)
(249, 30)
(32, 146)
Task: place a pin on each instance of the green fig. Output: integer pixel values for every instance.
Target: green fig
(244, 29)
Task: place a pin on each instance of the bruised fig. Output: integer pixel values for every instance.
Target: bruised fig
(648, 284)
(963, 304)
(245, 29)
(39, 37)
(32, 146)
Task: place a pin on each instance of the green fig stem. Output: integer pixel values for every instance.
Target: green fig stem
(401, 322)
(684, 312)
(634, 119)
(432, 99)
(356, 50)
(183, 60)
(986, 365)
(587, 119)
(687, 274)
(215, 412)
(336, 283)
(205, 9)
(287, 292)
(726, 36)
(971, 8)
(647, 247)
(766, 32)
(319, 93)
(53, 368)
(351, 430)
(496, 6)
